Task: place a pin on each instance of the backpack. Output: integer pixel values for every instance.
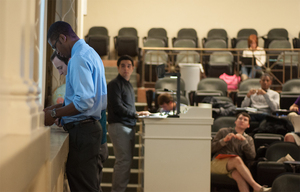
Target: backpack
(231, 80)
(273, 124)
(220, 108)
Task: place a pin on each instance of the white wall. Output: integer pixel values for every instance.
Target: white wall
(202, 15)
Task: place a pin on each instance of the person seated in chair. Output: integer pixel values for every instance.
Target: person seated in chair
(234, 141)
(295, 107)
(295, 111)
(253, 51)
(264, 99)
(166, 102)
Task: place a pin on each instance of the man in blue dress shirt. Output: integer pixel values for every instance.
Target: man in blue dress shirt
(61, 64)
(85, 98)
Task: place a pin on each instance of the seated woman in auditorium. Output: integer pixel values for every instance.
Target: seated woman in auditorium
(295, 136)
(256, 52)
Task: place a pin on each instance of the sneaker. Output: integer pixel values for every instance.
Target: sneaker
(264, 189)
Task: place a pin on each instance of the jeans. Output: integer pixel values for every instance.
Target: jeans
(247, 70)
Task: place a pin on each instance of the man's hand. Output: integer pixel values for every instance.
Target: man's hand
(52, 107)
(57, 122)
(251, 92)
(140, 113)
(48, 119)
(229, 136)
(260, 92)
(240, 137)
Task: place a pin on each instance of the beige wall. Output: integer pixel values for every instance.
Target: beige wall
(202, 15)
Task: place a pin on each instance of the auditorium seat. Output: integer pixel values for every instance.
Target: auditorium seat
(212, 46)
(296, 42)
(157, 33)
(243, 34)
(288, 63)
(289, 182)
(127, 42)
(210, 86)
(151, 60)
(186, 43)
(275, 34)
(244, 88)
(186, 33)
(269, 169)
(98, 39)
(214, 34)
(188, 57)
(290, 92)
(222, 122)
(219, 63)
(153, 43)
(169, 85)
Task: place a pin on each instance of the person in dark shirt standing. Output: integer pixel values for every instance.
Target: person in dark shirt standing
(121, 119)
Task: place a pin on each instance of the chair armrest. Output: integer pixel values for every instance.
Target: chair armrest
(265, 168)
(280, 112)
(173, 40)
(116, 41)
(203, 41)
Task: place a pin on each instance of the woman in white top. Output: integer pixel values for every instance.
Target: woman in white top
(253, 51)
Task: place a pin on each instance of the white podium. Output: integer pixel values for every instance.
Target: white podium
(177, 152)
(190, 73)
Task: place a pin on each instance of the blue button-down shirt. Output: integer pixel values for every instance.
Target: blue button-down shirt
(85, 83)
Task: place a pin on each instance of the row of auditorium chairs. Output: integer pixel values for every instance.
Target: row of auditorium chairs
(218, 63)
(217, 87)
(127, 40)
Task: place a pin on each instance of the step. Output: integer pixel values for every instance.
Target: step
(106, 187)
(107, 175)
(109, 163)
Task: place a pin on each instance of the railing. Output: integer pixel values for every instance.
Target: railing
(281, 64)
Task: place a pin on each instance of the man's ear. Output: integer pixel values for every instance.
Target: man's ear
(248, 124)
(63, 37)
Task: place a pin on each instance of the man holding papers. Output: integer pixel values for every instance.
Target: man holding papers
(264, 100)
(231, 146)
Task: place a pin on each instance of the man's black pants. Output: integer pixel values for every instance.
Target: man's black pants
(83, 164)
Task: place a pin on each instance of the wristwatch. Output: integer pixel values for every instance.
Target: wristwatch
(53, 113)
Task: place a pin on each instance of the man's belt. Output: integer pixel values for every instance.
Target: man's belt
(71, 125)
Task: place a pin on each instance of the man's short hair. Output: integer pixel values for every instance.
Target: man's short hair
(245, 114)
(60, 27)
(63, 59)
(164, 98)
(266, 75)
(124, 57)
